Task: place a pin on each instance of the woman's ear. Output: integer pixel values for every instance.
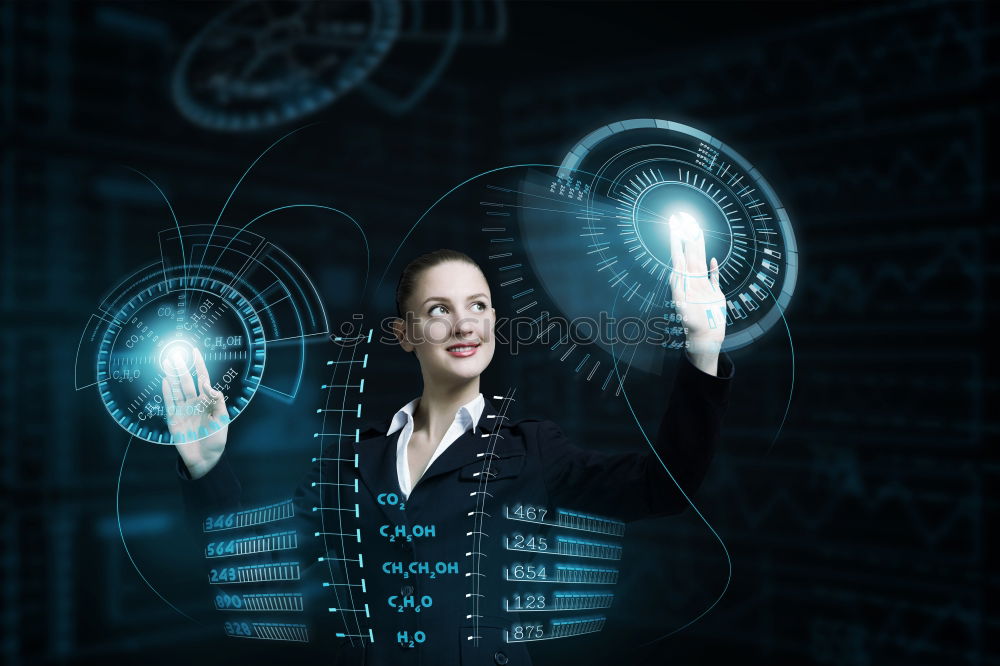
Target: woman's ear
(399, 328)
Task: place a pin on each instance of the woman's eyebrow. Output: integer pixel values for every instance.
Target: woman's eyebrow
(447, 300)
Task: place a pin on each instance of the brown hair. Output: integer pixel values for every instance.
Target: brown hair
(408, 279)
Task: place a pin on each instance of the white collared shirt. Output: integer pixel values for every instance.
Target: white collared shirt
(466, 418)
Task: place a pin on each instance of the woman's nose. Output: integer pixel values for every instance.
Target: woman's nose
(465, 327)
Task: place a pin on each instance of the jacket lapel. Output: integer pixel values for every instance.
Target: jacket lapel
(377, 453)
(484, 441)
(377, 465)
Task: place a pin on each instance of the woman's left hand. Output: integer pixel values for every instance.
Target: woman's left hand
(695, 289)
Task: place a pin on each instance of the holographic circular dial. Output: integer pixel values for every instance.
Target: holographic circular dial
(154, 336)
(636, 175)
(260, 64)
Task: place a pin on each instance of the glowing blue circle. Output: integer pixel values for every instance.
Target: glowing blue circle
(162, 323)
(639, 173)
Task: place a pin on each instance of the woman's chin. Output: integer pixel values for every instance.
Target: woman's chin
(469, 371)
(466, 368)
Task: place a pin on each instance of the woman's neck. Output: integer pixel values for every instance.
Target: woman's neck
(438, 405)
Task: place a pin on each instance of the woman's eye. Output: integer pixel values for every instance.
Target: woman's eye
(479, 306)
(436, 310)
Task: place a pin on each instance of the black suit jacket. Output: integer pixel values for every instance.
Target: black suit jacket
(453, 524)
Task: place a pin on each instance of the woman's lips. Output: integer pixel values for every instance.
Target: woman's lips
(462, 351)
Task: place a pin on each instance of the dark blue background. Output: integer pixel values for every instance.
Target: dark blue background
(863, 537)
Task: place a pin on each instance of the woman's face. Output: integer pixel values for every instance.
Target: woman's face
(450, 322)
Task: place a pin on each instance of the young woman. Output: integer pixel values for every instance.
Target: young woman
(459, 465)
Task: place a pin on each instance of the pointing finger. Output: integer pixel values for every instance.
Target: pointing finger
(186, 382)
(694, 251)
(171, 372)
(677, 262)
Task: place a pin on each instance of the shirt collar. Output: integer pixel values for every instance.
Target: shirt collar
(467, 415)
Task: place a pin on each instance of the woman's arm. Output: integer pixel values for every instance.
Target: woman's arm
(219, 492)
(195, 415)
(209, 484)
(634, 485)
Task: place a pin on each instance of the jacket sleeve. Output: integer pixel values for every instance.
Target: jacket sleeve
(634, 485)
(220, 492)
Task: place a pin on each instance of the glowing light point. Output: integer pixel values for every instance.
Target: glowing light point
(686, 225)
(177, 357)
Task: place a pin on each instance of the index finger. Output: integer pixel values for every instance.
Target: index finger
(694, 252)
(171, 381)
(183, 376)
(677, 261)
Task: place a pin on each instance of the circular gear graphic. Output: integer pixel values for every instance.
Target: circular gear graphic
(154, 335)
(261, 64)
(637, 175)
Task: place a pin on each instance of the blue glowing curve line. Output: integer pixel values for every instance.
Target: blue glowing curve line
(298, 319)
(322, 512)
(729, 561)
(237, 185)
(118, 517)
(477, 522)
(364, 237)
(368, 263)
(400, 106)
(180, 238)
(340, 514)
(288, 258)
(364, 286)
(448, 193)
(340, 448)
(388, 264)
(791, 388)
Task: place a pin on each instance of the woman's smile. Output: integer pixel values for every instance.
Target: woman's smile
(463, 350)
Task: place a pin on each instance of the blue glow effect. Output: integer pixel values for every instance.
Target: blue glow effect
(162, 325)
(647, 170)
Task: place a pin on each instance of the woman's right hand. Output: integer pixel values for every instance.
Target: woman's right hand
(191, 412)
